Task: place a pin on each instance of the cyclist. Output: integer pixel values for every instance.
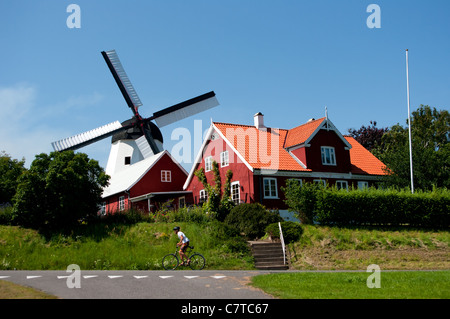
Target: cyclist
(184, 243)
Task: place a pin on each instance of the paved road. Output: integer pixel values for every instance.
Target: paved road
(184, 284)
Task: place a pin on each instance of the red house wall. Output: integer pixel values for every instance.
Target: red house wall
(151, 182)
(240, 171)
(314, 154)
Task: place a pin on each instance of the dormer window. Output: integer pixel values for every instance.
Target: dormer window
(328, 155)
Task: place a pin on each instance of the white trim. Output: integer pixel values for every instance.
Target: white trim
(166, 176)
(323, 175)
(121, 203)
(153, 194)
(198, 159)
(184, 200)
(327, 123)
(223, 154)
(208, 163)
(239, 191)
(233, 148)
(270, 191)
(332, 153)
(344, 182)
(297, 159)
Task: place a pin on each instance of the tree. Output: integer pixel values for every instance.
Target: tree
(58, 190)
(431, 150)
(369, 136)
(301, 199)
(10, 171)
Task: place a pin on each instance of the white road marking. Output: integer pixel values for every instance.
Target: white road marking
(3, 277)
(165, 277)
(190, 277)
(140, 277)
(89, 276)
(32, 277)
(113, 277)
(218, 277)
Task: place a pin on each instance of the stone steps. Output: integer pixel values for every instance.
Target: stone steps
(268, 255)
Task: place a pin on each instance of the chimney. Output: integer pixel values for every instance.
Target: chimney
(258, 119)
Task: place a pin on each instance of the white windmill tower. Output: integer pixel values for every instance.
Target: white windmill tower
(137, 138)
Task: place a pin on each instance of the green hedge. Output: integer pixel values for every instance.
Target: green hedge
(383, 207)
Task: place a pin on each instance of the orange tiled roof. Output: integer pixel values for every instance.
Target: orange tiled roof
(251, 144)
(300, 134)
(364, 162)
(266, 149)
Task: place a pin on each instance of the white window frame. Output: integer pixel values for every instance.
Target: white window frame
(208, 163)
(203, 196)
(271, 181)
(344, 185)
(363, 184)
(121, 203)
(224, 159)
(320, 182)
(166, 176)
(330, 158)
(235, 199)
(181, 201)
(103, 209)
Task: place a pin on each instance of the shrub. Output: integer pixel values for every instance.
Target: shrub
(301, 199)
(291, 231)
(383, 207)
(251, 219)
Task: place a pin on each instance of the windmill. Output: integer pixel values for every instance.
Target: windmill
(139, 134)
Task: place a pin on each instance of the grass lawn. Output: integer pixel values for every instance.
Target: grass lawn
(353, 285)
(8, 290)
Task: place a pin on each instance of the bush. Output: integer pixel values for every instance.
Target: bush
(383, 207)
(301, 199)
(6, 215)
(291, 231)
(251, 219)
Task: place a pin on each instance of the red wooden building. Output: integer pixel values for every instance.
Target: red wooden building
(146, 185)
(263, 159)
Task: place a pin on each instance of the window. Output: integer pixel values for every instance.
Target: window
(127, 160)
(363, 185)
(224, 161)
(320, 182)
(103, 209)
(208, 163)
(181, 201)
(121, 203)
(342, 185)
(166, 176)
(270, 188)
(328, 157)
(298, 180)
(203, 196)
(235, 192)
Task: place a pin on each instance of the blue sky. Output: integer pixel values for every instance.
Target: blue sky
(286, 59)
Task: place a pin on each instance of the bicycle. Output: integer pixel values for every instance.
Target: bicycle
(172, 261)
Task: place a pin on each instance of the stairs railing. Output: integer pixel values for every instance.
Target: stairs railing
(282, 243)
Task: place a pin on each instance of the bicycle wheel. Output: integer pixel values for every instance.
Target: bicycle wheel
(170, 262)
(197, 261)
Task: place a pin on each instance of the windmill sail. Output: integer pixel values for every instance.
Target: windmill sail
(86, 138)
(122, 80)
(185, 109)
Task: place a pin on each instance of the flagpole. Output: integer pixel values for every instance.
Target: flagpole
(409, 123)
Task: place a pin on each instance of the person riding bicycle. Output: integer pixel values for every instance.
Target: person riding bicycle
(184, 243)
